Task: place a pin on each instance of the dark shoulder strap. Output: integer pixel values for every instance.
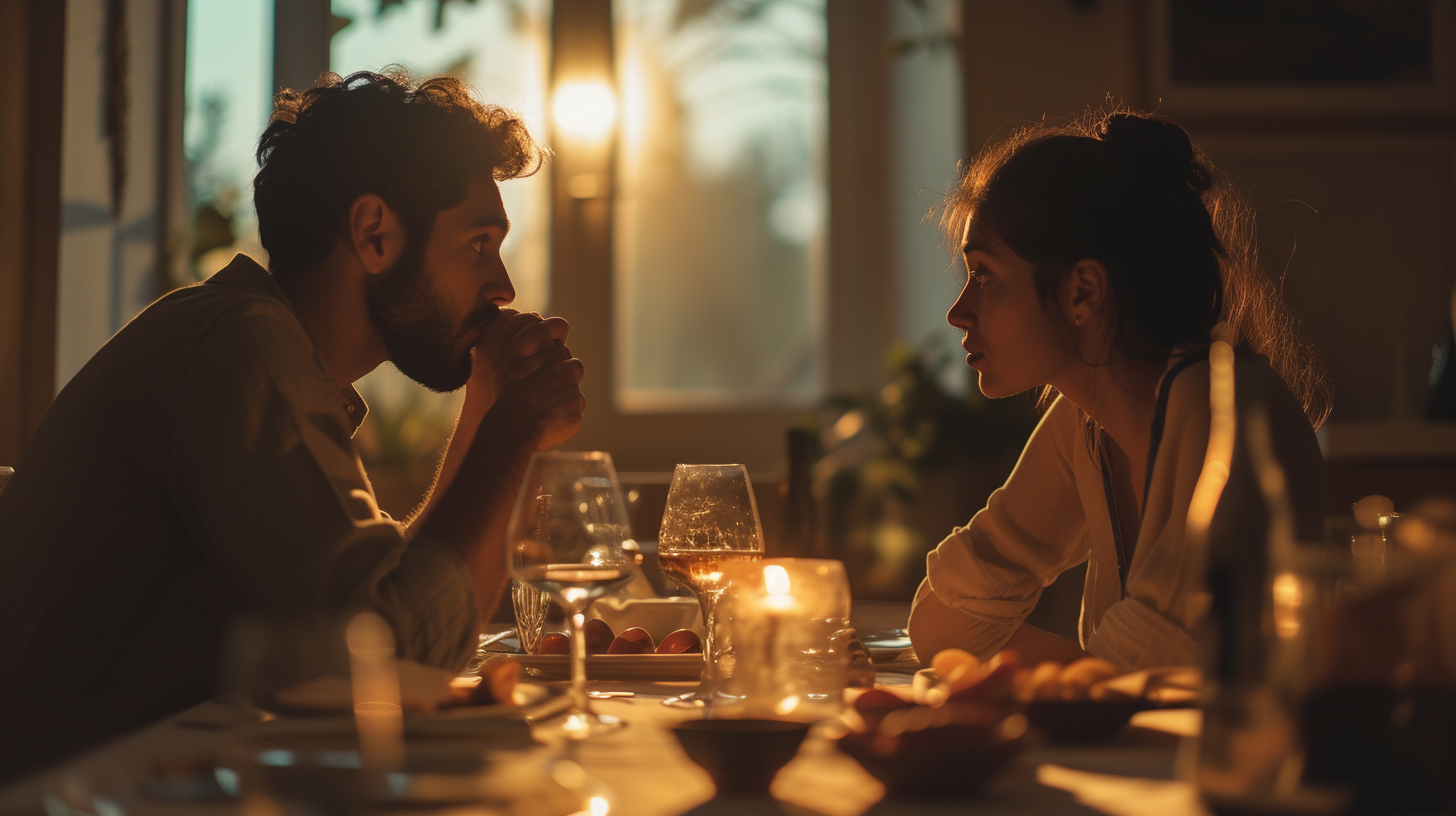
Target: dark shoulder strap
(1117, 541)
(1160, 414)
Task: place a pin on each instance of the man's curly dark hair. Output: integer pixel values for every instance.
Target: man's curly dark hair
(415, 144)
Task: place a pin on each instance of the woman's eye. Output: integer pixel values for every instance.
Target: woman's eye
(980, 276)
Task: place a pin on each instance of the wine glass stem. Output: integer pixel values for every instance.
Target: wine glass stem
(708, 602)
(576, 614)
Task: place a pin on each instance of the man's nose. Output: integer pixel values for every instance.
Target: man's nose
(500, 290)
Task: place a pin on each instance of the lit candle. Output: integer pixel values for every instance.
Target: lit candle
(776, 584)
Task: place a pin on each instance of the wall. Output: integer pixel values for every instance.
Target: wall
(113, 259)
(1356, 197)
(30, 126)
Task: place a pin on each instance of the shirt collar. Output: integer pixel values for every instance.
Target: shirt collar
(247, 275)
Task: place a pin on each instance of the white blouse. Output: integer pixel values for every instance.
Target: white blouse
(1053, 514)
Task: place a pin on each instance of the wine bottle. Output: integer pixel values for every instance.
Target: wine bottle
(801, 518)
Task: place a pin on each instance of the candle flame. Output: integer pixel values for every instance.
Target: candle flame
(776, 580)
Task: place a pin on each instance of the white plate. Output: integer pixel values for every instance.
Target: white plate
(493, 722)
(616, 667)
(659, 616)
(456, 721)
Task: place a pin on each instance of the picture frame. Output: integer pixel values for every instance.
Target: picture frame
(1279, 59)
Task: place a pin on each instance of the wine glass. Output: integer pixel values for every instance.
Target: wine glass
(569, 537)
(710, 522)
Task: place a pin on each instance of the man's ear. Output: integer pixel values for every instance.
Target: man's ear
(375, 233)
(1084, 291)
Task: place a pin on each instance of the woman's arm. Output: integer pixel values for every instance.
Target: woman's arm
(1038, 646)
(935, 626)
(984, 578)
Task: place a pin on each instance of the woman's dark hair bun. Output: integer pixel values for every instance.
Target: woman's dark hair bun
(1156, 145)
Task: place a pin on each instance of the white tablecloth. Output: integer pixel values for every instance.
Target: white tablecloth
(649, 775)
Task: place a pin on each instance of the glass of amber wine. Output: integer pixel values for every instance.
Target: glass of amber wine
(569, 537)
(710, 522)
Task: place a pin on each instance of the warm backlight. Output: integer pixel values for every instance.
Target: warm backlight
(584, 110)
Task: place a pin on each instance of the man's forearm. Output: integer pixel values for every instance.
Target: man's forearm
(472, 512)
(478, 400)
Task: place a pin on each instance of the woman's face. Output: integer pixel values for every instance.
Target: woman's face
(1011, 339)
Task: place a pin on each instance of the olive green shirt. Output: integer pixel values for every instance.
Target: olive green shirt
(199, 471)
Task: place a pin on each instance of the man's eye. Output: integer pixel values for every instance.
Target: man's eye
(479, 244)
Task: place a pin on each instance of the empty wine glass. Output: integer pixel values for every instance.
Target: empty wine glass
(569, 537)
(710, 522)
(532, 607)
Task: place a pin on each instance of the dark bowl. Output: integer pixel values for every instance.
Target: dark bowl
(742, 756)
(1076, 721)
(945, 762)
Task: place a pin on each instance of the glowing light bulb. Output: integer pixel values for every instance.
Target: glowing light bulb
(584, 110)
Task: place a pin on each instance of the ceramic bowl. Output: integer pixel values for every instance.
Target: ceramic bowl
(1080, 721)
(946, 762)
(742, 756)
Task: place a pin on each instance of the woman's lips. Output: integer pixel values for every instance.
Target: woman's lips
(975, 357)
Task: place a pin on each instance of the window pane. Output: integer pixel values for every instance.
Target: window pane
(721, 204)
(228, 80)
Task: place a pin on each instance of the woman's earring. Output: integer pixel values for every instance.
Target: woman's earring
(1077, 319)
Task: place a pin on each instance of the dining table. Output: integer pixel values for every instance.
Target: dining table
(641, 770)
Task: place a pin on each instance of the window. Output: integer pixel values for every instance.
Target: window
(721, 206)
(229, 78)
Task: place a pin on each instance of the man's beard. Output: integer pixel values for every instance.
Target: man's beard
(416, 327)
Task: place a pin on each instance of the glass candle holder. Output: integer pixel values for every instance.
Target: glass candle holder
(789, 621)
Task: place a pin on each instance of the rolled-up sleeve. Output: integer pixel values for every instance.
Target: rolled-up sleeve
(267, 477)
(1032, 529)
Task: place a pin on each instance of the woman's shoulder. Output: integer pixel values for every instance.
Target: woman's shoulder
(1062, 424)
(1189, 391)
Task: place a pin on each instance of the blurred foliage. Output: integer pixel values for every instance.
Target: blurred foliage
(888, 456)
(933, 35)
(213, 194)
(916, 424)
(407, 426)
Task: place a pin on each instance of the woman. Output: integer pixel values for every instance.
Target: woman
(1101, 256)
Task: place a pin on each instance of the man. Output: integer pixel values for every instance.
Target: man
(200, 470)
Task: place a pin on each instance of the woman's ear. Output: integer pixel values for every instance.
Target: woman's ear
(375, 234)
(1085, 292)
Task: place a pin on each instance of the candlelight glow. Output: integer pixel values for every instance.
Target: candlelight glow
(1288, 597)
(776, 580)
(378, 714)
(599, 806)
(584, 110)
